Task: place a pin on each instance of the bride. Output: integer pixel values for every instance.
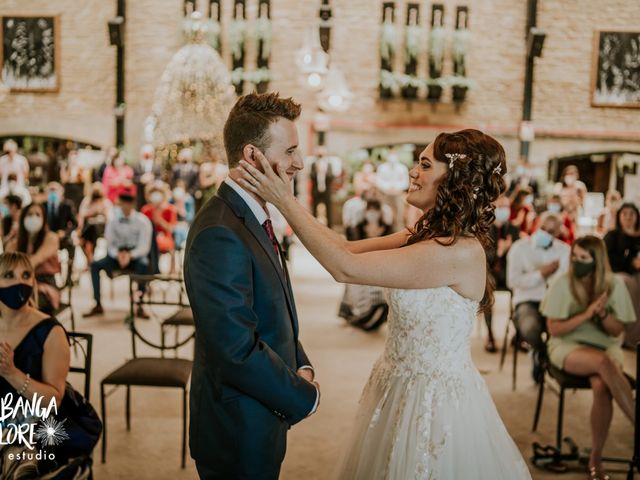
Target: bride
(425, 412)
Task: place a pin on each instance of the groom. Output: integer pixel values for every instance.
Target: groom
(251, 378)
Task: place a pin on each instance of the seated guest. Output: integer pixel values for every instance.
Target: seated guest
(568, 228)
(61, 216)
(162, 214)
(532, 263)
(145, 172)
(586, 309)
(570, 182)
(41, 246)
(503, 234)
(11, 222)
(185, 209)
(34, 360)
(184, 169)
(117, 178)
(128, 237)
(14, 188)
(623, 247)
(522, 213)
(607, 217)
(95, 210)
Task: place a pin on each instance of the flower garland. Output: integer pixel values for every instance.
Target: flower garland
(237, 37)
(388, 38)
(437, 41)
(264, 33)
(460, 45)
(413, 41)
(215, 30)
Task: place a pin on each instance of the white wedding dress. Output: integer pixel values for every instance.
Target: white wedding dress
(426, 413)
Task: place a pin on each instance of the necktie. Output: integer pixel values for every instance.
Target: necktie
(268, 227)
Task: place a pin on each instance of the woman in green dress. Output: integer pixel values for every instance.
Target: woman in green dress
(586, 310)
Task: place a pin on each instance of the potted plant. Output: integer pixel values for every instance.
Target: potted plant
(459, 87)
(435, 86)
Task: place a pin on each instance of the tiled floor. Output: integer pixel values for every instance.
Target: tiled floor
(342, 357)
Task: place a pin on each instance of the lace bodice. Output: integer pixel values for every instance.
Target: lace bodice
(429, 331)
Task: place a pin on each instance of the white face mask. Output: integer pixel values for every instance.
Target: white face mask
(178, 193)
(372, 216)
(570, 180)
(156, 198)
(33, 223)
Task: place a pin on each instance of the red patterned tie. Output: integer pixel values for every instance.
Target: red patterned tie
(268, 227)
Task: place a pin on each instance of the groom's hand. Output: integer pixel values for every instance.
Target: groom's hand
(306, 373)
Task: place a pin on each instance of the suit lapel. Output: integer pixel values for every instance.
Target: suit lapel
(242, 210)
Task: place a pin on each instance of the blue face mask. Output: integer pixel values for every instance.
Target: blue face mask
(53, 198)
(16, 296)
(4, 211)
(554, 207)
(542, 239)
(503, 214)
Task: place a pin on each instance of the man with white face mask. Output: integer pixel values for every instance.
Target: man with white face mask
(532, 263)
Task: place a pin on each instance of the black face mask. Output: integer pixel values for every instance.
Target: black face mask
(582, 269)
(16, 296)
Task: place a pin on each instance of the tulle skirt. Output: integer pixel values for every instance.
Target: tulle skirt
(433, 425)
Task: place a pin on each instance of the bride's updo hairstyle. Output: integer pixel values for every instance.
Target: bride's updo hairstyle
(463, 205)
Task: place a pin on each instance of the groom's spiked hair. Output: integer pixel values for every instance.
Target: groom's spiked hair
(249, 120)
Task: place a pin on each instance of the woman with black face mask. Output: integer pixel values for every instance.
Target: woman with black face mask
(34, 352)
(586, 310)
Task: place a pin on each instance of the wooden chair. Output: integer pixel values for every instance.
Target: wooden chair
(150, 371)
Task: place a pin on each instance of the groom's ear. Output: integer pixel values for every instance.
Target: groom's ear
(249, 156)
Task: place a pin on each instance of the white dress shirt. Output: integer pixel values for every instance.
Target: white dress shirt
(262, 216)
(523, 261)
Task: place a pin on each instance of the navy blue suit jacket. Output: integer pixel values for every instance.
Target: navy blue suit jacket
(245, 392)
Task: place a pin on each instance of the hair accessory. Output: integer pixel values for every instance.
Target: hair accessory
(475, 192)
(453, 157)
(498, 169)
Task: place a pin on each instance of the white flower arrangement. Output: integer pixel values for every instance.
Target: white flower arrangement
(214, 30)
(388, 80)
(413, 41)
(405, 80)
(460, 44)
(460, 81)
(264, 32)
(388, 39)
(237, 36)
(258, 76)
(437, 41)
(237, 76)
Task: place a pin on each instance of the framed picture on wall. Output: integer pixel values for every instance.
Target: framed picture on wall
(29, 57)
(616, 69)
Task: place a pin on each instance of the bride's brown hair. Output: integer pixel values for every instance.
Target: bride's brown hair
(463, 205)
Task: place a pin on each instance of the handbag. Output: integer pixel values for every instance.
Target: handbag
(81, 423)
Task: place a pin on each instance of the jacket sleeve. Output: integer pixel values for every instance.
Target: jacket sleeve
(301, 359)
(218, 273)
